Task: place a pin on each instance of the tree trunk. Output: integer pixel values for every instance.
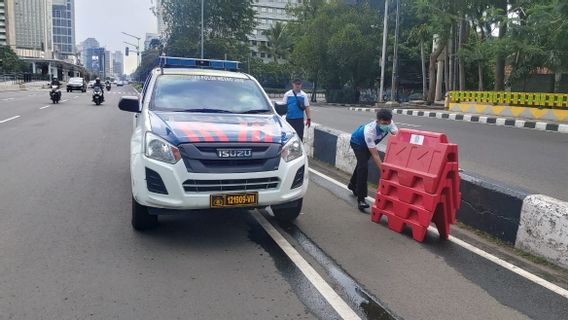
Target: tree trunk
(424, 78)
(314, 92)
(557, 80)
(441, 75)
(450, 69)
(480, 74)
(500, 60)
(432, 69)
(462, 40)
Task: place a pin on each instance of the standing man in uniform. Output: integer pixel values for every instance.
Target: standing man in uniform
(298, 104)
(364, 141)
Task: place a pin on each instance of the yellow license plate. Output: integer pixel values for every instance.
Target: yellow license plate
(234, 200)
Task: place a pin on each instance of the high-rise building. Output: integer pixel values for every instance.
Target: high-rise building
(33, 28)
(95, 61)
(108, 64)
(3, 24)
(63, 28)
(158, 11)
(149, 38)
(118, 63)
(268, 12)
(89, 43)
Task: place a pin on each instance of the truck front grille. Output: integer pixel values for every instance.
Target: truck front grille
(231, 185)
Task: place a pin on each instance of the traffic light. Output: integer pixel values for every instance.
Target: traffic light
(126, 51)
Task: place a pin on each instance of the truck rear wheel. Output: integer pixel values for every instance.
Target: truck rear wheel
(141, 218)
(288, 211)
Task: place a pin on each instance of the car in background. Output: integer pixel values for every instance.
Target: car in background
(76, 84)
(119, 83)
(91, 84)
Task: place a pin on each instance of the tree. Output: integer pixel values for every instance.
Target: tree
(226, 25)
(9, 61)
(279, 41)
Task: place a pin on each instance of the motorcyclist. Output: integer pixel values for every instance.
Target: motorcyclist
(101, 86)
(55, 82)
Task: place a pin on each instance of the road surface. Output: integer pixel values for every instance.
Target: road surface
(67, 250)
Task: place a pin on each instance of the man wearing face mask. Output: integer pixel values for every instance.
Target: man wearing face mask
(364, 141)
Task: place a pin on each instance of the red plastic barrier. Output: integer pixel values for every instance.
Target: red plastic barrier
(419, 183)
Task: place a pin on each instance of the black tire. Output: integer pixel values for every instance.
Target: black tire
(289, 211)
(141, 218)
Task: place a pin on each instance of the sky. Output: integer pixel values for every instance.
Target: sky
(104, 20)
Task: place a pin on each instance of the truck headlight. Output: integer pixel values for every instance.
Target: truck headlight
(159, 149)
(292, 150)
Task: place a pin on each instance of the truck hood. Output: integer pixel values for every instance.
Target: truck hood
(183, 127)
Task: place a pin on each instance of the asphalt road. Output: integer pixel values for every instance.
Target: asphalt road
(521, 158)
(67, 250)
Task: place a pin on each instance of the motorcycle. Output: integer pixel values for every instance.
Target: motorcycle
(97, 96)
(108, 87)
(55, 94)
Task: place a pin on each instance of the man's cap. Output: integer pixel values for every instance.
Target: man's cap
(297, 81)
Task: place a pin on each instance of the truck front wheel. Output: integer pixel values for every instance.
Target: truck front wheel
(141, 218)
(288, 211)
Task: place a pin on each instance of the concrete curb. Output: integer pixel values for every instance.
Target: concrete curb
(535, 223)
(498, 121)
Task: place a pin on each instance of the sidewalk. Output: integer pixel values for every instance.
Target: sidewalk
(29, 86)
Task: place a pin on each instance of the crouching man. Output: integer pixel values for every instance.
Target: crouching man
(364, 141)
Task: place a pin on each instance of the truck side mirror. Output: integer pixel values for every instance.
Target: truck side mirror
(281, 109)
(130, 104)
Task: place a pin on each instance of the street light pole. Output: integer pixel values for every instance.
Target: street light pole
(383, 56)
(202, 31)
(394, 85)
(136, 46)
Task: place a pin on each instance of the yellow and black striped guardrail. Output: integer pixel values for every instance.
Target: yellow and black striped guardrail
(528, 99)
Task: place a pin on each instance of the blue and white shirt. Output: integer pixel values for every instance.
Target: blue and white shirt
(294, 111)
(371, 134)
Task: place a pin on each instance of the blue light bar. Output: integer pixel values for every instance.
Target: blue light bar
(177, 62)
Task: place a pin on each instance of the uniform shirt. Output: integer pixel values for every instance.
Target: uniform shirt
(371, 134)
(294, 111)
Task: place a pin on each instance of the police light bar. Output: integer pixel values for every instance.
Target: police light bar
(177, 62)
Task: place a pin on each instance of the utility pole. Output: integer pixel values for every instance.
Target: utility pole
(383, 56)
(394, 85)
(202, 31)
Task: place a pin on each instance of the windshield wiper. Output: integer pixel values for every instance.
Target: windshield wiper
(204, 110)
(256, 111)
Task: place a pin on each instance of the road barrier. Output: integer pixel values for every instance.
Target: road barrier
(535, 223)
(419, 183)
(527, 99)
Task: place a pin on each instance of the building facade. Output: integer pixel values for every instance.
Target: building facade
(118, 63)
(268, 12)
(158, 12)
(149, 38)
(95, 61)
(63, 28)
(3, 23)
(89, 43)
(33, 28)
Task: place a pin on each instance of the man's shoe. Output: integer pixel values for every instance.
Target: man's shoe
(362, 205)
(350, 187)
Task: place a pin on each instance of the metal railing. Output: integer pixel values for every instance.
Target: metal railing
(523, 99)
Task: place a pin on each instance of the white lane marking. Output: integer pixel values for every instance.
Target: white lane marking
(336, 302)
(8, 99)
(9, 119)
(44, 107)
(507, 265)
(64, 101)
(75, 97)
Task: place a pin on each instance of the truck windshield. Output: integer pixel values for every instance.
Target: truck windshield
(200, 93)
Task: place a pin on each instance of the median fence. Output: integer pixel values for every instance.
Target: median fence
(535, 223)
